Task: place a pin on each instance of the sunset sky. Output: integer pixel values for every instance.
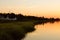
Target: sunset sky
(47, 8)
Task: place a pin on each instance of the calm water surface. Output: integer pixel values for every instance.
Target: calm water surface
(48, 31)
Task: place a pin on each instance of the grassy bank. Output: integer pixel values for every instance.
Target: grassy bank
(15, 30)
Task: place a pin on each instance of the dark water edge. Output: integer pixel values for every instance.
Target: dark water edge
(17, 30)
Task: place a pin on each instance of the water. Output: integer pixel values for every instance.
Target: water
(48, 31)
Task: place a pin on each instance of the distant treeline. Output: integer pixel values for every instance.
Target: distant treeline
(20, 17)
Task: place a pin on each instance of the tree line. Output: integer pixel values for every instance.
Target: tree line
(21, 17)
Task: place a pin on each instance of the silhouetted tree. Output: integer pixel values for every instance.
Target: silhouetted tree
(1, 14)
(11, 15)
(19, 17)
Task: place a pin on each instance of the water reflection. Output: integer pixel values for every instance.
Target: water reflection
(47, 31)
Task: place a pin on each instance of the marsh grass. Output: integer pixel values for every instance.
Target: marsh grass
(15, 30)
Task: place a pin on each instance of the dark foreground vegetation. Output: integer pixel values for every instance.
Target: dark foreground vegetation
(16, 26)
(15, 30)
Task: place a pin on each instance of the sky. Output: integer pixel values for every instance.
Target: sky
(46, 8)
